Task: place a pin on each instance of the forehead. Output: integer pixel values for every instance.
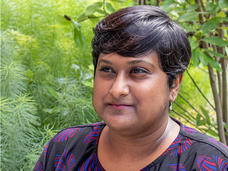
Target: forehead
(113, 58)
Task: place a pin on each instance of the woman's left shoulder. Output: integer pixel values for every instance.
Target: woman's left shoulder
(204, 145)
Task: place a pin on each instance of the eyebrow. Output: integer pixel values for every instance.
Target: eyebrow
(140, 61)
(104, 61)
(131, 62)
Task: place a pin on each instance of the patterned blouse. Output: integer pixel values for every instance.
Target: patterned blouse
(75, 149)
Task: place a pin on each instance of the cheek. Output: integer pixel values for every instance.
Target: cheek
(153, 93)
(99, 92)
(96, 94)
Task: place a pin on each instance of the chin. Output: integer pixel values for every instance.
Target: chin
(121, 125)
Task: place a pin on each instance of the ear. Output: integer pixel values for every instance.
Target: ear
(175, 88)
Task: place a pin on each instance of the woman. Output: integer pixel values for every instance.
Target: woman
(139, 56)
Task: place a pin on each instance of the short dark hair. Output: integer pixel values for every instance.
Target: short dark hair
(140, 30)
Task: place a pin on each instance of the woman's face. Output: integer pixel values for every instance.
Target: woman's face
(131, 94)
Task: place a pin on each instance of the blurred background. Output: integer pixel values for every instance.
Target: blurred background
(47, 73)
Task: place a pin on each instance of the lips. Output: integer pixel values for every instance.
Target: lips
(120, 106)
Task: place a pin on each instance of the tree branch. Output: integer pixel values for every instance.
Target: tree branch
(223, 62)
(199, 90)
(199, 10)
(188, 2)
(224, 88)
(224, 92)
(189, 114)
(219, 84)
(217, 104)
(218, 75)
(189, 104)
(181, 115)
(203, 9)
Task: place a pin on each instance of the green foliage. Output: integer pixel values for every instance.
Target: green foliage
(17, 124)
(210, 25)
(203, 23)
(18, 110)
(216, 41)
(191, 108)
(47, 73)
(187, 14)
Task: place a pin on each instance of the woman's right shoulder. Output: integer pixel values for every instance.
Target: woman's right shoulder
(72, 140)
(76, 133)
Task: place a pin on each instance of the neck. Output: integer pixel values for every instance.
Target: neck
(141, 145)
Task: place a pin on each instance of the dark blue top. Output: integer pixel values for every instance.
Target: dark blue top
(75, 148)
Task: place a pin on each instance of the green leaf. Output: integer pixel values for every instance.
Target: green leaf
(199, 34)
(192, 7)
(90, 10)
(210, 25)
(210, 131)
(48, 110)
(205, 113)
(82, 17)
(226, 49)
(121, 1)
(168, 5)
(199, 121)
(209, 60)
(93, 17)
(193, 42)
(203, 58)
(109, 7)
(78, 36)
(216, 54)
(52, 92)
(100, 11)
(191, 16)
(188, 27)
(223, 4)
(198, 116)
(29, 74)
(88, 83)
(195, 57)
(225, 125)
(93, 8)
(225, 19)
(212, 8)
(215, 40)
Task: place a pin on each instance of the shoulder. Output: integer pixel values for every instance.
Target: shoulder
(76, 138)
(193, 150)
(78, 132)
(70, 144)
(203, 144)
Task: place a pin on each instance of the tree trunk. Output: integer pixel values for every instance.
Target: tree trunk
(217, 100)
(224, 99)
(218, 106)
(224, 82)
(141, 2)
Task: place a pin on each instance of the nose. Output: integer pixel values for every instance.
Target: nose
(119, 86)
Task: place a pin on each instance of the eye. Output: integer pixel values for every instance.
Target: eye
(138, 70)
(106, 69)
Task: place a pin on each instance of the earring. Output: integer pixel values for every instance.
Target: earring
(170, 106)
(170, 103)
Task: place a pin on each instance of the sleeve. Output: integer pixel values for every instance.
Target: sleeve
(50, 153)
(208, 157)
(40, 165)
(58, 148)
